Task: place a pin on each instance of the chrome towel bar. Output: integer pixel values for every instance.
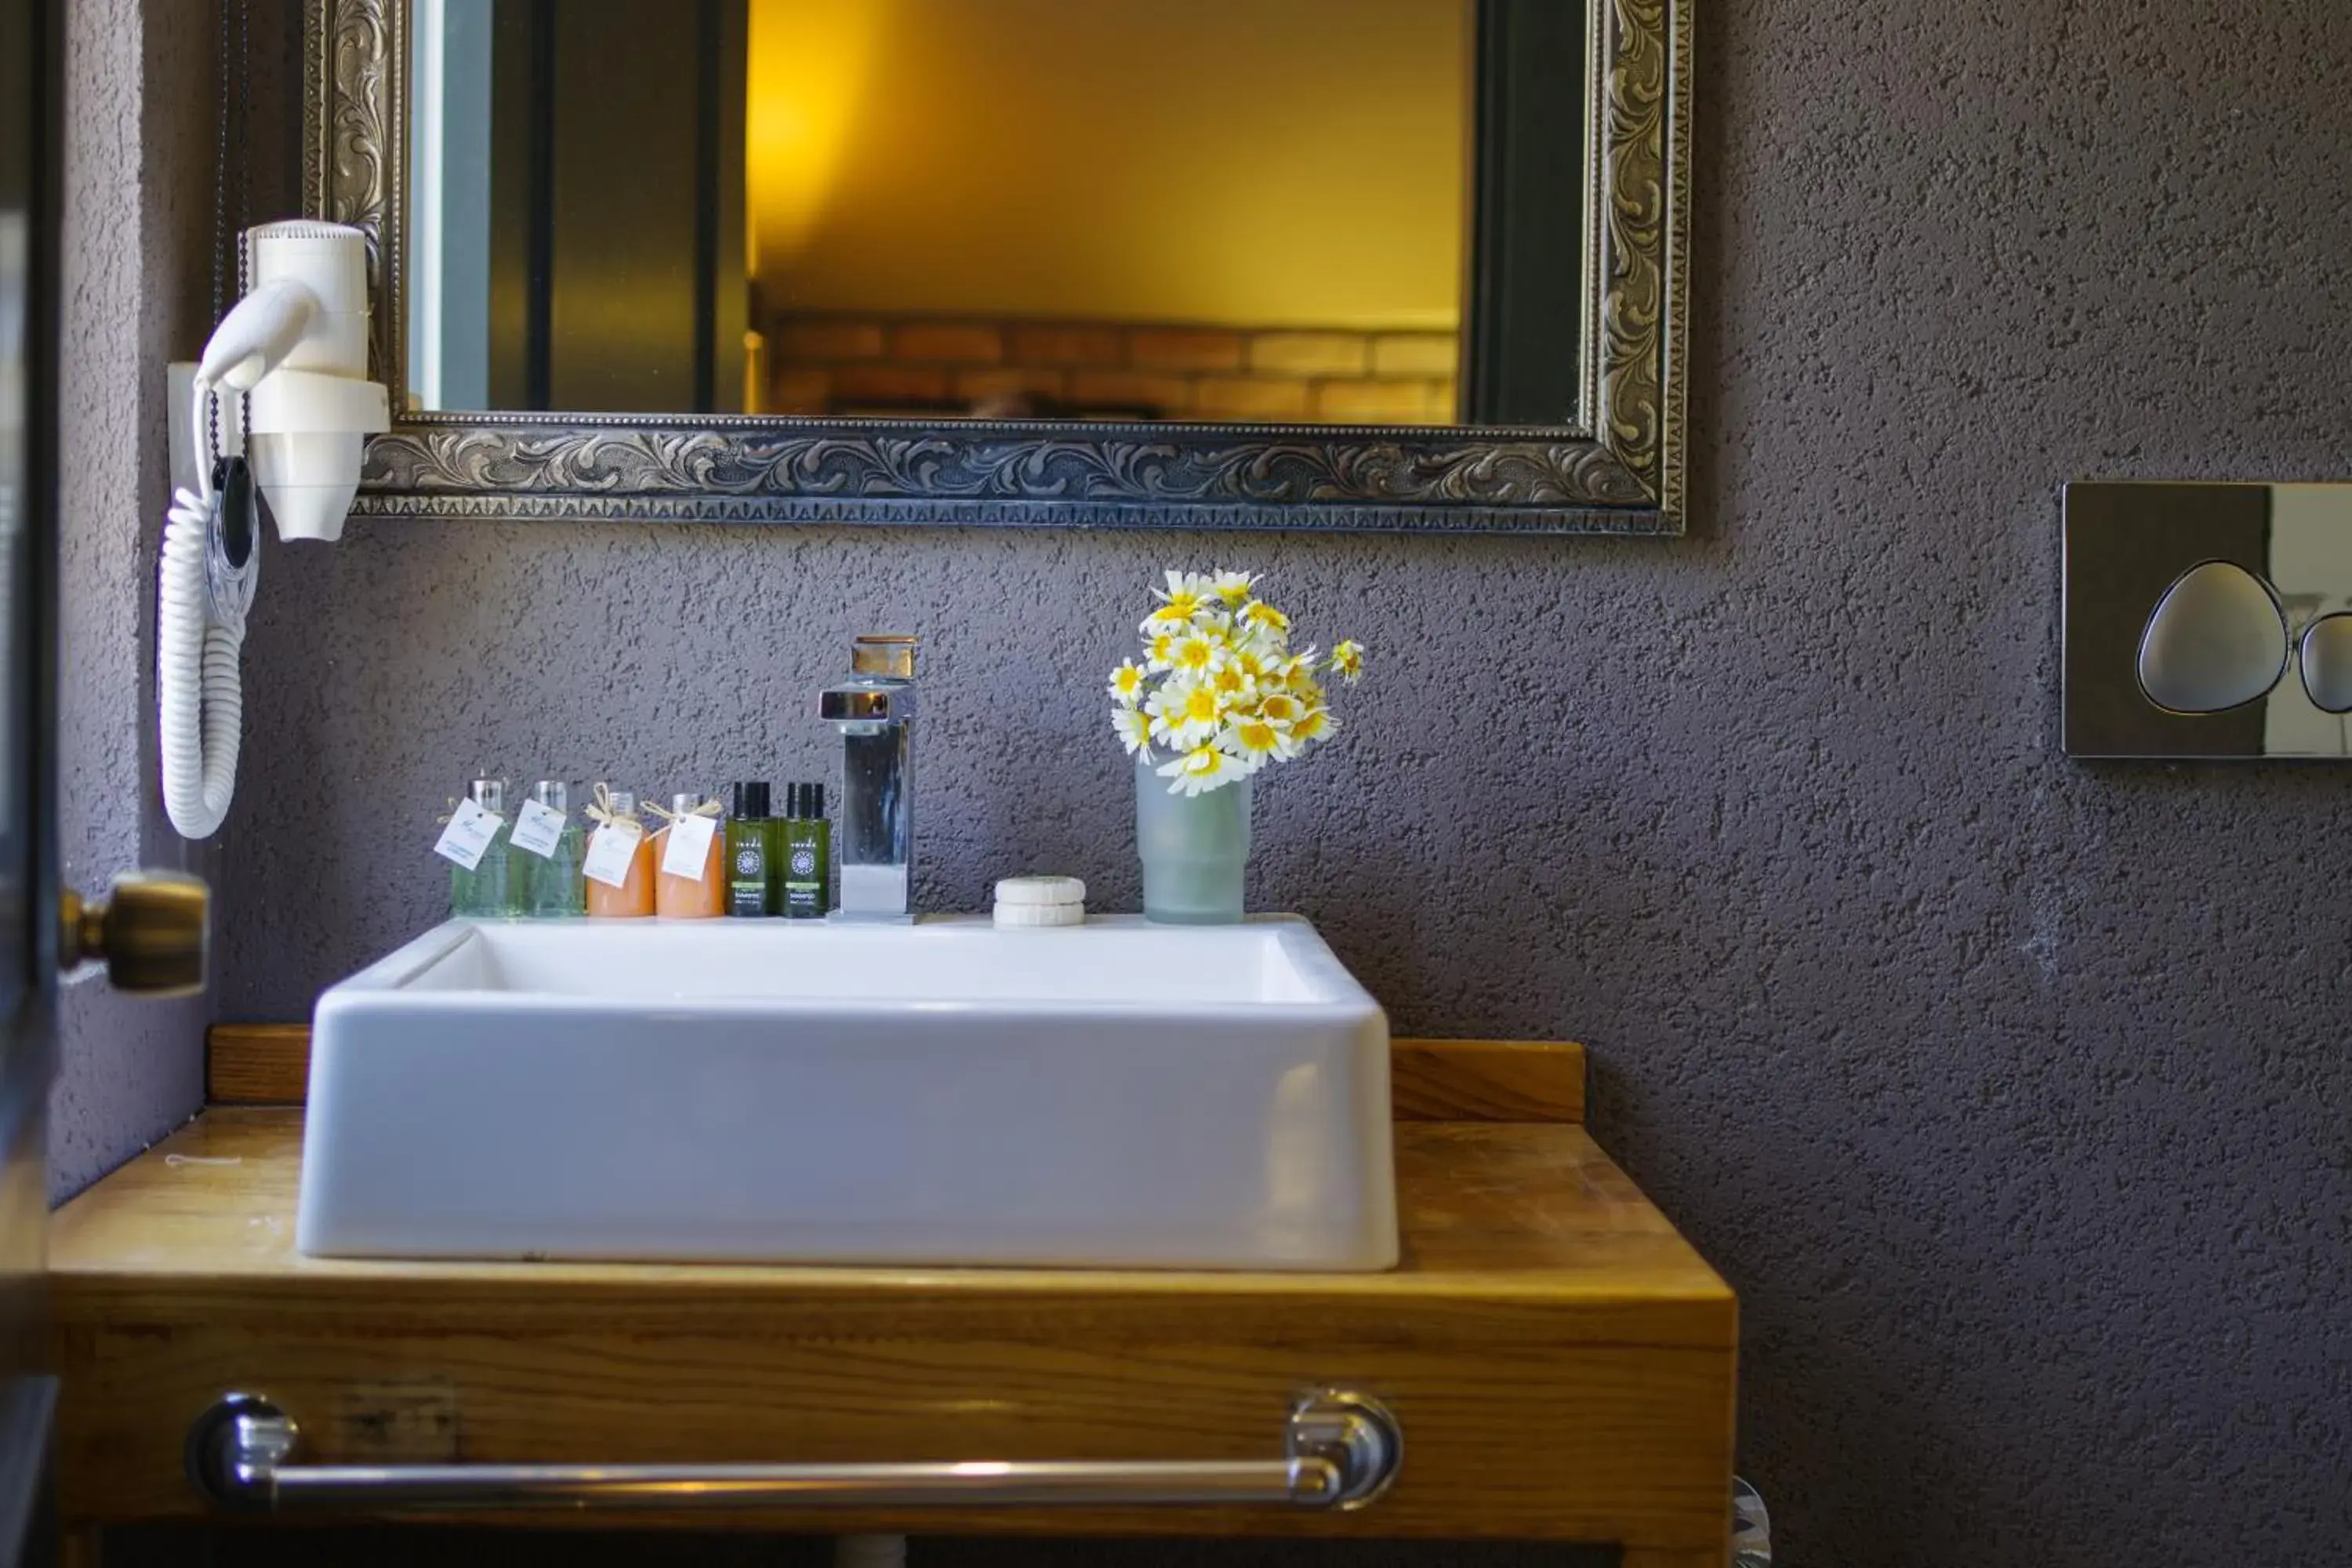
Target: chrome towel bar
(1340, 1451)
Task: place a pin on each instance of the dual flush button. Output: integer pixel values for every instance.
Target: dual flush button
(2219, 639)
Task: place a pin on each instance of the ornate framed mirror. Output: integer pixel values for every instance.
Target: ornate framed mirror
(1403, 265)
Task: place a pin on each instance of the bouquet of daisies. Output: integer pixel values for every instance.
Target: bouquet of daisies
(1219, 690)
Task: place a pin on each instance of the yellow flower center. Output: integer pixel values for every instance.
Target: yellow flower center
(1256, 736)
(1195, 654)
(1199, 705)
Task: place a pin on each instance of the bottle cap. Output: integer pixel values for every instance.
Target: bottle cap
(1039, 892)
(491, 795)
(624, 803)
(750, 800)
(805, 800)
(554, 793)
(685, 804)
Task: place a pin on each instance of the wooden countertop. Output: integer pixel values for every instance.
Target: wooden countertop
(1498, 1211)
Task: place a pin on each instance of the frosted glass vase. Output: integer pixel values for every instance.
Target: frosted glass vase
(1194, 848)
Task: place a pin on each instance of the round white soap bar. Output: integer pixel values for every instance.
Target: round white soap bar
(1025, 892)
(1041, 914)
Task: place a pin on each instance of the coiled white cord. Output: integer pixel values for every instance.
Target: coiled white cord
(199, 694)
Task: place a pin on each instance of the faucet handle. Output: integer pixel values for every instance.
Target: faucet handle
(890, 654)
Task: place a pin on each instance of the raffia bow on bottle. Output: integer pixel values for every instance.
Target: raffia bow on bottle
(601, 813)
(707, 808)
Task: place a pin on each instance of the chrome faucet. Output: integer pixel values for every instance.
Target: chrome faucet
(873, 710)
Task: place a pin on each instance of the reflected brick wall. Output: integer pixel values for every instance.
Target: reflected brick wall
(834, 363)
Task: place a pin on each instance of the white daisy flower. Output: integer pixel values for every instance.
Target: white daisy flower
(1259, 615)
(1348, 659)
(1184, 714)
(1255, 742)
(1133, 726)
(1200, 769)
(1233, 683)
(1280, 709)
(1197, 654)
(1126, 683)
(1187, 594)
(1315, 724)
(1232, 587)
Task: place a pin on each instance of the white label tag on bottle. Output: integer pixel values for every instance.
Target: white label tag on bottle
(610, 850)
(537, 828)
(688, 850)
(471, 832)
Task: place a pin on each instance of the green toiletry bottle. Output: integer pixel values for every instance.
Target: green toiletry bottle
(805, 850)
(751, 889)
(551, 886)
(488, 889)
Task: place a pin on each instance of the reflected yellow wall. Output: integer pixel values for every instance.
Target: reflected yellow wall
(1235, 160)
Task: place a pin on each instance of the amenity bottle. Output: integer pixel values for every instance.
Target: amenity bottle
(488, 889)
(553, 887)
(804, 853)
(750, 853)
(702, 896)
(615, 811)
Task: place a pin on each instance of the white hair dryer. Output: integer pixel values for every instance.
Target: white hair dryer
(295, 345)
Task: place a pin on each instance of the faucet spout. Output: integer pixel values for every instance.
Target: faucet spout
(873, 710)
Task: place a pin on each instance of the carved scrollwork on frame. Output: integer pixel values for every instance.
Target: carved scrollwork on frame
(355, 89)
(1631, 225)
(1618, 471)
(1257, 477)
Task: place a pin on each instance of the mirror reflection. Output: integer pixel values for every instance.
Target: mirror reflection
(1255, 211)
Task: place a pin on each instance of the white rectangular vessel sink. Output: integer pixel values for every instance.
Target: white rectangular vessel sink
(1113, 1095)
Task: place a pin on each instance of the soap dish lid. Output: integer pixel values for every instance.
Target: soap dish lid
(1026, 893)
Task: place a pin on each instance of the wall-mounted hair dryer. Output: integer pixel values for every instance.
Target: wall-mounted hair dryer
(296, 346)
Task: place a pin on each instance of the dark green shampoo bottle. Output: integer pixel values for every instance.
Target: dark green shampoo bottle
(752, 884)
(805, 850)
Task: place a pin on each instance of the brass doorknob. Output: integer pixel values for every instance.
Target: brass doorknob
(153, 931)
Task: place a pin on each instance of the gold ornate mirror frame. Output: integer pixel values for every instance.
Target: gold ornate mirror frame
(1618, 471)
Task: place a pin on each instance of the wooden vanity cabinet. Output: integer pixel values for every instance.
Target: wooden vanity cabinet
(1560, 1361)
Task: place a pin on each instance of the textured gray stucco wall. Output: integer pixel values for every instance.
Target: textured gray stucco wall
(2012, 1094)
(139, 97)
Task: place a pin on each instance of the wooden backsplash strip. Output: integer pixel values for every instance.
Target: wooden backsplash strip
(1433, 1080)
(1486, 1080)
(258, 1064)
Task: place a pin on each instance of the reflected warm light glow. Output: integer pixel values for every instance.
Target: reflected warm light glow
(811, 63)
(1235, 161)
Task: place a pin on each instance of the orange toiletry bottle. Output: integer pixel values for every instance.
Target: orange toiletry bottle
(703, 894)
(619, 864)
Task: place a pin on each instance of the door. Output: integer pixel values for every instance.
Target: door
(29, 156)
(149, 930)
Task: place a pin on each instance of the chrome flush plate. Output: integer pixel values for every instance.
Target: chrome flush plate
(2208, 620)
